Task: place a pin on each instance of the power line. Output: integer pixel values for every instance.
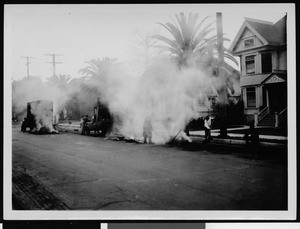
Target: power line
(53, 61)
(27, 63)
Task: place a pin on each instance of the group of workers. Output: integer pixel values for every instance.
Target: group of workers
(250, 136)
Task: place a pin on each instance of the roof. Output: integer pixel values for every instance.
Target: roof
(251, 80)
(275, 76)
(272, 33)
(269, 33)
(260, 79)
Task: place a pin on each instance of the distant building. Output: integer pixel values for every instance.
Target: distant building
(262, 49)
(206, 107)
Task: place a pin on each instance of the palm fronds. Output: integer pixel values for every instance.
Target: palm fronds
(189, 38)
(97, 67)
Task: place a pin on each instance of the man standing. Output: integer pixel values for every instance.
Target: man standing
(252, 135)
(84, 119)
(207, 128)
(147, 130)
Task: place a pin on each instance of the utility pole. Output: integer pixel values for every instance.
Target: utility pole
(220, 37)
(222, 77)
(27, 63)
(53, 61)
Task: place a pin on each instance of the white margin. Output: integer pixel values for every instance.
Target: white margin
(290, 214)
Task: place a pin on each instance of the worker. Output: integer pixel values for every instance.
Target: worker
(252, 135)
(84, 119)
(147, 130)
(207, 128)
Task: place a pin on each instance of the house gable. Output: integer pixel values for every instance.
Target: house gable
(265, 33)
(246, 30)
(274, 78)
(247, 35)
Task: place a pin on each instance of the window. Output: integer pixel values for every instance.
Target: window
(250, 64)
(266, 62)
(251, 97)
(249, 42)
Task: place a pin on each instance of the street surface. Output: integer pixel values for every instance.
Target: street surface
(74, 172)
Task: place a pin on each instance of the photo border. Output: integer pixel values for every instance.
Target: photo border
(290, 214)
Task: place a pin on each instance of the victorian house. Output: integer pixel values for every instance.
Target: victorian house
(261, 47)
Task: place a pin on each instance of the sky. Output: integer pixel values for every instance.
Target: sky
(84, 32)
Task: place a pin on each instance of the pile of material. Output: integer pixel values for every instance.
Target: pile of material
(49, 129)
(39, 117)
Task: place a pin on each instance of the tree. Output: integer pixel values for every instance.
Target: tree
(187, 38)
(95, 73)
(98, 68)
(60, 81)
(97, 79)
(79, 101)
(72, 107)
(192, 42)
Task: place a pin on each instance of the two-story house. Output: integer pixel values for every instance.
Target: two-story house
(261, 47)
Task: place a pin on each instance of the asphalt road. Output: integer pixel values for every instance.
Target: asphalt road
(70, 171)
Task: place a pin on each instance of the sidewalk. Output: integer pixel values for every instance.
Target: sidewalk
(216, 133)
(273, 141)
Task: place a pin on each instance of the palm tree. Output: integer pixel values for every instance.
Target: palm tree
(192, 42)
(80, 98)
(186, 40)
(189, 40)
(98, 68)
(96, 72)
(60, 81)
(96, 78)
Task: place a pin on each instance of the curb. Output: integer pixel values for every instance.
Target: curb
(240, 142)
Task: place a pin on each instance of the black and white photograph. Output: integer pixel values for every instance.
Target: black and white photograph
(152, 112)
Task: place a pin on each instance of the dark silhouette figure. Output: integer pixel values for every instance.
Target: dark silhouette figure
(252, 135)
(207, 128)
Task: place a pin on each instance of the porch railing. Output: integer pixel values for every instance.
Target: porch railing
(282, 114)
(263, 113)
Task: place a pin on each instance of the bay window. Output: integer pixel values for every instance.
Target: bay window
(251, 97)
(250, 64)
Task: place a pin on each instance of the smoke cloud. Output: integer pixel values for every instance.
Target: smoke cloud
(31, 89)
(170, 96)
